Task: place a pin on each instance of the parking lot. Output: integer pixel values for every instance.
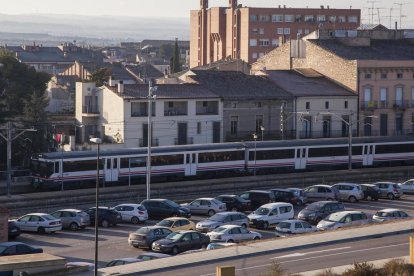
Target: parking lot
(79, 245)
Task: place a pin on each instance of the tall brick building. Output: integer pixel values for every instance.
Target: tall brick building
(249, 33)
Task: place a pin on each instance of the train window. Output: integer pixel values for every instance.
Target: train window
(272, 154)
(82, 165)
(382, 149)
(164, 160)
(207, 157)
(135, 162)
(357, 150)
(326, 152)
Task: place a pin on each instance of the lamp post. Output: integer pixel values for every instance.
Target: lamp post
(255, 142)
(96, 141)
(262, 129)
(151, 97)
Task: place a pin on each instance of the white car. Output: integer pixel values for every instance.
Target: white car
(271, 213)
(343, 219)
(134, 213)
(39, 222)
(205, 206)
(407, 187)
(232, 233)
(389, 214)
(295, 226)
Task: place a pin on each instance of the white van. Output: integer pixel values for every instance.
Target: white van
(271, 213)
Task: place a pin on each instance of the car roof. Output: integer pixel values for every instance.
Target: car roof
(204, 198)
(321, 185)
(128, 204)
(258, 191)
(389, 210)
(349, 212)
(126, 259)
(154, 227)
(175, 218)
(229, 195)
(368, 185)
(325, 202)
(69, 210)
(276, 204)
(231, 226)
(292, 220)
(294, 189)
(229, 213)
(345, 183)
(12, 243)
(155, 199)
(187, 231)
(36, 214)
(384, 182)
(155, 254)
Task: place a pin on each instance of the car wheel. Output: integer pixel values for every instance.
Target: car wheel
(299, 203)
(74, 226)
(203, 246)
(105, 223)
(352, 199)
(369, 198)
(135, 220)
(41, 230)
(265, 225)
(136, 246)
(376, 199)
(234, 209)
(174, 250)
(244, 225)
(256, 238)
(231, 241)
(211, 213)
(318, 219)
(391, 196)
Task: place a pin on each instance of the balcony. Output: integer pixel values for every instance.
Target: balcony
(207, 108)
(329, 134)
(400, 105)
(90, 109)
(368, 105)
(175, 112)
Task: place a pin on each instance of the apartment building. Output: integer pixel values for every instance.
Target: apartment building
(249, 33)
(377, 65)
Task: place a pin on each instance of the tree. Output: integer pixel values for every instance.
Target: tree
(101, 75)
(176, 65)
(166, 51)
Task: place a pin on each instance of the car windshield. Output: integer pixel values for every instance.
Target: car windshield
(174, 236)
(48, 217)
(166, 223)
(395, 186)
(172, 203)
(220, 229)
(314, 206)
(283, 225)
(2, 248)
(215, 201)
(144, 257)
(82, 214)
(218, 217)
(335, 217)
(382, 214)
(143, 230)
(262, 211)
(141, 208)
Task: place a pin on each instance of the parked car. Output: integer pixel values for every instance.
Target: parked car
(145, 236)
(407, 187)
(258, 198)
(177, 224)
(284, 195)
(321, 192)
(205, 206)
(271, 213)
(389, 190)
(165, 208)
(177, 242)
(13, 230)
(122, 261)
(389, 214)
(147, 256)
(343, 219)
(220, 219)
(39, 222)
(218, 245)
(315, 212)
(233, 233)
(371, 191)
(291, 227)
(234, 203)
(106, 216)
(300, 194)
(349, 191)
(134, 213)
(17, 248)
(72, 219)
(84, 265)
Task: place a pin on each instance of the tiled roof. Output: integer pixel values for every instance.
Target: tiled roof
(301, 86)
(372, 27)
(378, 50)
(236, 85)
(145, 70)
(166, 91)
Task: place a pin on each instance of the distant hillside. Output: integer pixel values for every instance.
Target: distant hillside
(18, 29)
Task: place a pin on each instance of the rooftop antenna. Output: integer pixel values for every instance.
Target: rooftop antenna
(401, 15)
(390, 17)
(379, 14)
(371, 10)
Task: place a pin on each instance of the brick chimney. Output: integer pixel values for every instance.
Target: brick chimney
(121, 87)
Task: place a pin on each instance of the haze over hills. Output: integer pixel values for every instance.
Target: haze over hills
(51, 29)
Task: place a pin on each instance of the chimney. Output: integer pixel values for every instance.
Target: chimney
(396, 25)
(322, 7)
(327, 7)
(121, 87)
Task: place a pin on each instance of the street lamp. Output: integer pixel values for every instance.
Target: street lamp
(262, 129)
(255, 142)
(151, 97)
(96, 141)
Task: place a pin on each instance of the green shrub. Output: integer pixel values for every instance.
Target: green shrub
(327, 272)
(398, 267)
(362, 269)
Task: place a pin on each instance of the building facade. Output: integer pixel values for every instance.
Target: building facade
(249, 33)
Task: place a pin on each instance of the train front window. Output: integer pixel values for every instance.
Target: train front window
(41, 168)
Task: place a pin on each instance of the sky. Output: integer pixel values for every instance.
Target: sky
(181, 8)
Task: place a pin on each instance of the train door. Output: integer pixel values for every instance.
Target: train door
(301, 155)
(368, 155)
(190, 164)
(111, 170)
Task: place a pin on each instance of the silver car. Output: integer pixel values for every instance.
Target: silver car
(389, 190)
(72, 219)
(407, 187)
(205, 206)
(390, 214)
(349, 191)
(233, 233)
(220, 219)
(343, 219)
(321, 192)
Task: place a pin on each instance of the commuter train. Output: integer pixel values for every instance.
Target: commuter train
(214, 160)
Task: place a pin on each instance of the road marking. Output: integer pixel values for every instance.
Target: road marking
(316, 257)
(308, 253)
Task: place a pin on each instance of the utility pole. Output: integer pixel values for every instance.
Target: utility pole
(401, 15)
(9, 140)
(371, 11)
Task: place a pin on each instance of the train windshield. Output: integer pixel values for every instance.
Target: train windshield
(41, 168)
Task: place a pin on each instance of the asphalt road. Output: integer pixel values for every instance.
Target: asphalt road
(79, 246)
